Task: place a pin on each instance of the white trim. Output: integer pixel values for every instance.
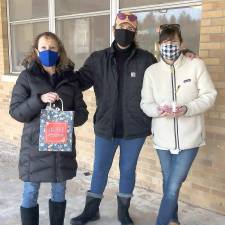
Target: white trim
(171, 5)
(114, 9)
(36, 20)
(8, 78)
(83, 15)
(9, 38)
(51, 13)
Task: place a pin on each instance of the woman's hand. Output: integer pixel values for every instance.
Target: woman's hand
(49, 97)
(179, 112)
(189, 54)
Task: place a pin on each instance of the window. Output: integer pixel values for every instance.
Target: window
(27, 9)
(83, 36)
(21, 40)
(187, 17)
(27, 18)
(65, 7)
(138, 3)
(85, 26)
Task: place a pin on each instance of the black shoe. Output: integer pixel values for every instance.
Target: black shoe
(29, 216)
(123, 211)
(57, 212)
(90, 212)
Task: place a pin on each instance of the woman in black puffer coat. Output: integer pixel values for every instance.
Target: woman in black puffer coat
(48, 76)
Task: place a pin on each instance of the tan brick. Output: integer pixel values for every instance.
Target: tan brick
(222, 115)
(220, 85)
(214, 115)
(214, 5)
(211, 29)
(217, 21)
(220, 108)
(207, 6)
(212, 45)
(205, 38)
(204, 53)
(212, 61)
(217, 37)
(213, 14)
(217, 53)
(217, 68)
(205, 22)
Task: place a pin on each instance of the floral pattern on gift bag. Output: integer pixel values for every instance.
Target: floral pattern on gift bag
(56, 130)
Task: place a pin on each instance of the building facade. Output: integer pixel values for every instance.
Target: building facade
(86, 26)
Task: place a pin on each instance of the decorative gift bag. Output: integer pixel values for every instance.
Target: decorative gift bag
(56, 129)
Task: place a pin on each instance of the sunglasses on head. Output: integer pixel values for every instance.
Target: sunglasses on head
(123, 16)
(169, 26)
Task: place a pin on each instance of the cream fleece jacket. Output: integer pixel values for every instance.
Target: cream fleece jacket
(188, 83)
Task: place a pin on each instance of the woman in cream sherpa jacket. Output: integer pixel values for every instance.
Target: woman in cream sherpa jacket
(177, 132)
(193, 88)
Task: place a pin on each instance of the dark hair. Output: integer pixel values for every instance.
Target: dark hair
(169, 32)
(64, 62)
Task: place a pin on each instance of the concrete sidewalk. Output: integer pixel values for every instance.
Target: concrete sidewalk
(143, 209)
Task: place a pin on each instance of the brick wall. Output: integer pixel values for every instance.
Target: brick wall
(205, 186)
(209, 176)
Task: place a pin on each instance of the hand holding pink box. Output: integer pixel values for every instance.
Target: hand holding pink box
(171, 107)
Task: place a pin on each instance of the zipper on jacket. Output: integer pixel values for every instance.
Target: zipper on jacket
(123, 95)
(174, 95)
(114, 69)
(126, 71)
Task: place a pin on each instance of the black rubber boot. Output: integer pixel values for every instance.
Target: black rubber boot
(29, 216)
(123, 210)
(57, 212)
(90, 212)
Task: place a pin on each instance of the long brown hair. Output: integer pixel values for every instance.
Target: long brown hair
(64, 62)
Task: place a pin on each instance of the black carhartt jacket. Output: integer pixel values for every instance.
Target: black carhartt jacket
(100, 71)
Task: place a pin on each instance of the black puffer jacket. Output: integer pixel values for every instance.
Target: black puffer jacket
(100, 71)
(26, 106)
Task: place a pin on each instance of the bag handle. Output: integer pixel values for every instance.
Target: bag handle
(62, 106)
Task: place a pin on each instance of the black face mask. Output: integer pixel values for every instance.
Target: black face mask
(124, 37)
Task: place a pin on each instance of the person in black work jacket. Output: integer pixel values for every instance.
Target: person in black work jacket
(116, 73)
(48, 76)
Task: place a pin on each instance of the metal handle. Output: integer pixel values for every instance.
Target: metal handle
(62, 109)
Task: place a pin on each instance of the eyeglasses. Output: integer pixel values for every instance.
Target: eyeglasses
(123, 16)
(168, 26)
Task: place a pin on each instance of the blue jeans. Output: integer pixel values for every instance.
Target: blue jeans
(105, 150)
(175, 169)
(31, 190)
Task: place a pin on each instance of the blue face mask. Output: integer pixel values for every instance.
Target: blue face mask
(48, 58)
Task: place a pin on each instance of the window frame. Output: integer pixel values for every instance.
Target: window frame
(163, 6)
(19, 22)
(112, 12)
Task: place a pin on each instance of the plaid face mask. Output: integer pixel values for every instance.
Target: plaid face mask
(170, 51)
